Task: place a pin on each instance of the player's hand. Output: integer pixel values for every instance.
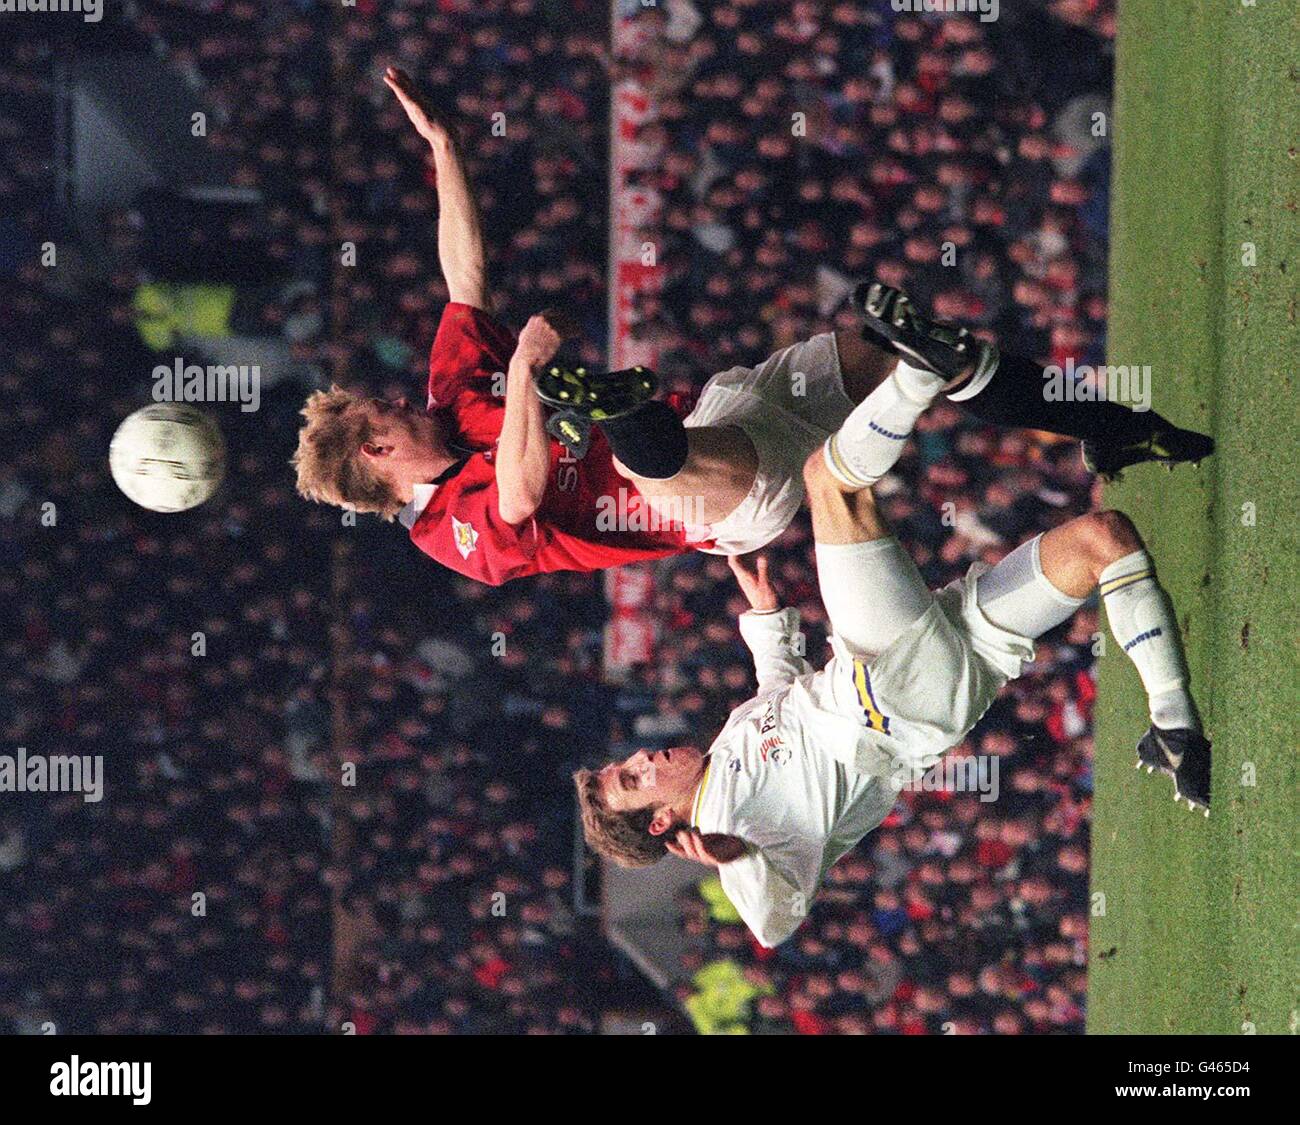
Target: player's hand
(430, 122)
(751, 572)
(542, 337)
(712, 850)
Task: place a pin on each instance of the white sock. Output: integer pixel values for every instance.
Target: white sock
(871, 439)
(1142, 621)
(1017, 596)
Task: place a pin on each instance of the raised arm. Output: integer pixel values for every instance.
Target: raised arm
(772, 633)
(460, 233)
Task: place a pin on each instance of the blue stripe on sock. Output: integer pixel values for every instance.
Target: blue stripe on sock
(887, 433)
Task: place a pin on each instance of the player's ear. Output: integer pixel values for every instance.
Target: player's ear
(661, 822)
(373, 452)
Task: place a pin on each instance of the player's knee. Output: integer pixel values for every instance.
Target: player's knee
(816, 476)
(1108, 535)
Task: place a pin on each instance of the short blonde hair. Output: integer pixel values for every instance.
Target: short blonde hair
(623, 837)
(328, 459)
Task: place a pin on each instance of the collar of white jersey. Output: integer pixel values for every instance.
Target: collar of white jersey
(421, 494)
(698, 803)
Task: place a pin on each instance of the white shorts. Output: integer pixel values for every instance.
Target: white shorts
(924, 693)
(788, 406)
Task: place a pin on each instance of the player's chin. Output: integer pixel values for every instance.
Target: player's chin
(687, 756)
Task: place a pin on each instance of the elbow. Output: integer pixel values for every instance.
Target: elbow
(515, 509)
(470, 290)
(776, 927)
(770, 937)
(772, 926)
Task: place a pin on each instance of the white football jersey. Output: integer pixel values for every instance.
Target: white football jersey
(815, 760)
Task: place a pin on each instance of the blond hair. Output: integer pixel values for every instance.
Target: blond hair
(328, 459)
(623, 837)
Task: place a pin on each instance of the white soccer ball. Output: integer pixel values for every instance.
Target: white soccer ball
(167, 457)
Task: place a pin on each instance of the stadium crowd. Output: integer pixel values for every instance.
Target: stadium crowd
(797, 148)
(221, 777)
(446, 871)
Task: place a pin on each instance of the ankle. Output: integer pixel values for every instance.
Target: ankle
(1174, 710)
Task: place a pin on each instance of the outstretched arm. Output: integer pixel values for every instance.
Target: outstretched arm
(771, 633)
(460, 234)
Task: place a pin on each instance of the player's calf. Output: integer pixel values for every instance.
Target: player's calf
(1010, 390)
(1043, 582)
(1075, 554)
(1142, 620)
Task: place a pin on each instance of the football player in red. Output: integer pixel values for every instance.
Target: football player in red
(484, 489)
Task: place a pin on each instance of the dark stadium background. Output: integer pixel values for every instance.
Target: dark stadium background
(374, 906)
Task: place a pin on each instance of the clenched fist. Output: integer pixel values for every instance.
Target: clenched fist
(542, 337)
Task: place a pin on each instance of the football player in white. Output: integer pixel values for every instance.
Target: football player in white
(814, 761)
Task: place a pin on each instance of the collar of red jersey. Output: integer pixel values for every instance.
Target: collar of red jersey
(421, 494)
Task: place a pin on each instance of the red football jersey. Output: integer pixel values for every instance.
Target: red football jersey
(590, 516)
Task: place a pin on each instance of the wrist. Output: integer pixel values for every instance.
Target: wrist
(523, 364)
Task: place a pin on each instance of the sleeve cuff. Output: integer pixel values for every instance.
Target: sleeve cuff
(777, 622)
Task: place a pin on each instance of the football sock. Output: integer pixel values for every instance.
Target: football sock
(871, 439)
(649, 439)
(1016, 396)
(1017, 596)
(1142, 620)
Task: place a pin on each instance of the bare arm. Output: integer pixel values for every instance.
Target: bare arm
(524, 449)
(460, 233)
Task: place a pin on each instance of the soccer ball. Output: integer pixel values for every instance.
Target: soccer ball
(167, 457)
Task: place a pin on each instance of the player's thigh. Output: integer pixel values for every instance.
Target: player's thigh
(872, 591)
(719, 474)
(863, 366)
